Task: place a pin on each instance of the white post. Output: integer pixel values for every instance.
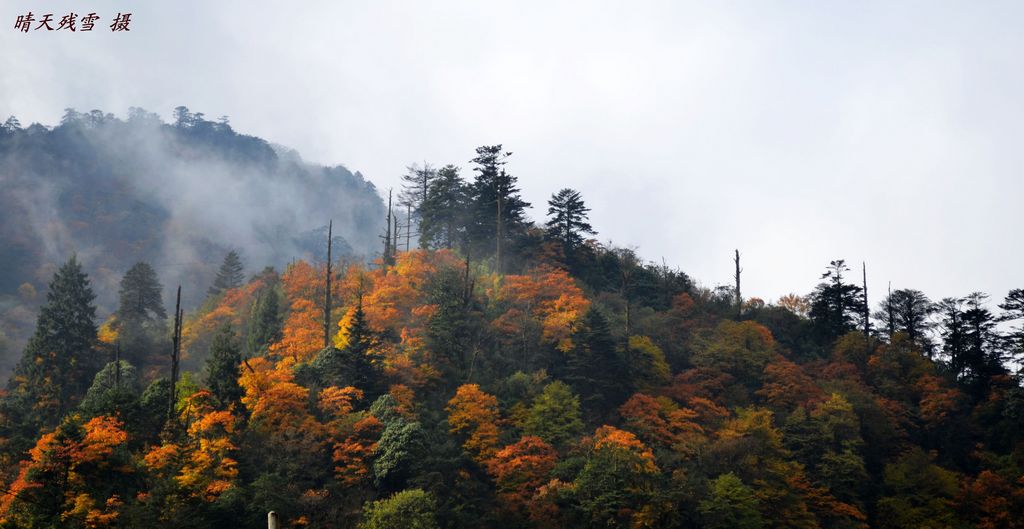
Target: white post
(272, 520)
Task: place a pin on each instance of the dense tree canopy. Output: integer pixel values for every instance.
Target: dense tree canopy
(547, 381)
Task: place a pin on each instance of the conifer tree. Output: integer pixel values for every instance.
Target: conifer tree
(595, 369)
(835, 305)
(568, 222)
(362, 372)
(952, 329)
(443, 214)
(499, 212)
(416, 184)
(982, 356)
(230, 274)
(59, 361)
(1013, 306)
(140, 296)
(141, 317)
(909, 311)
(265, 322)
(222, 367)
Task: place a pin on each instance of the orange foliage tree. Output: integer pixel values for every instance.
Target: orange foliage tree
(474, 415)
(661, 422)
(64, 465)
(302, 335)
(546, 297)
(519, 470)
(788, 386)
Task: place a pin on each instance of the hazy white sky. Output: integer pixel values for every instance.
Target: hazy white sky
(798, 132)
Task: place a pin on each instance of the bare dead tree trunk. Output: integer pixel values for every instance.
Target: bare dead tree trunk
(466, 286)
(498, 266)
(117, 365)
(327, 292)
(408, 226)
(387, 234)
(867, 308)
(888, 306)
(739, 296)
(175, 355)
(394, 235)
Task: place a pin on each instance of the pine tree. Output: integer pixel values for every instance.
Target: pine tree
(982, 355)
(1013, 307)
(114, 391)
(265, 322)
(353, 365)
(222, 367)
(835, 305)
(499, 212)
(141, 298)
(952, 329)
(595, 368)
(362, 372)
(59, 361)
(230, 274)
(140, 317)
(443, 215)
(416, 183)
(910, 311)
(568, 222)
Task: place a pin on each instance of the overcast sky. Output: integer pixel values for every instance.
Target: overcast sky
(798, 132)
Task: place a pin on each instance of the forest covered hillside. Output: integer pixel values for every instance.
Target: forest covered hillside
(177, 195)
(509, 373)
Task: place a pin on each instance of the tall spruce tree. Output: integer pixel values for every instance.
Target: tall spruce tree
(222, 367)
(835, 304)
(595, 368)
(982, 357)
(363, 373)
(952, 329)
(352, 365)
(1013, 311)
(59, 361)
(910, 312)
(568, 223)
(230, 274)
(141, 317)
(265, 322)
(443, 215)
(416, 183)
(140, 296)
(499, 212)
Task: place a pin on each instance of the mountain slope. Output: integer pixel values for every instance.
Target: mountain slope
(176, 195)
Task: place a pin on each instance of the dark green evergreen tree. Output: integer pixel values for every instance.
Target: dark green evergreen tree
(568, 223)
(59, 361)
(230, 274)
(265, 321)
(222, 367)
(909, 311)
(499, 212)
(443, 215)
(835, 305)
(953, 332)
(982, 355)
(595, 368)
(1013, 307)
(416, 184)
(363, 372)
(114, 391)
(140, 317)
(141, 298)
(353, 365)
